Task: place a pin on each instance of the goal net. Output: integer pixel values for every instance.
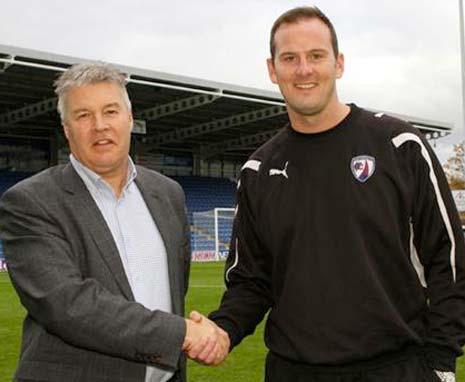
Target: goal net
(211, 233)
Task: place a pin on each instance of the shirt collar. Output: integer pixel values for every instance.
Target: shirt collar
(94, 180)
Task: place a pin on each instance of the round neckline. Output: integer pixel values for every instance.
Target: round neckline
(331, 131)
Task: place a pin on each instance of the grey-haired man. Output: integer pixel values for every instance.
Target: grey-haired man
(98, 251)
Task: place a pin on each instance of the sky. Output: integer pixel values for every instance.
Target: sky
(401, 56)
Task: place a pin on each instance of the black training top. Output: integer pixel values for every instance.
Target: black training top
(352, 238)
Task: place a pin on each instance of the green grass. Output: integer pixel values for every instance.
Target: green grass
(245, 363)
(11, 316)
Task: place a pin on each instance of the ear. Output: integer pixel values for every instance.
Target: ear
(65, 129)
(339, 65)
(271, 70)
(131, 120)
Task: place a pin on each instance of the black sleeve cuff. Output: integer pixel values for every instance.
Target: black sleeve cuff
(440, 358)
(229, 328)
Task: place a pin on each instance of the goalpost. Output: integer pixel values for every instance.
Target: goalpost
(211, 234)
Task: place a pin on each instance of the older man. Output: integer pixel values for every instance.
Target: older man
(98, 251)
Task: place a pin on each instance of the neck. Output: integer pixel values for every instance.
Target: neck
(326, 119)
(116, 181)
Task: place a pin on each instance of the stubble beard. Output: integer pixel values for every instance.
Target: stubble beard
(310, 108)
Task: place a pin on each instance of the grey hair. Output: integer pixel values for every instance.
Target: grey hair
(85, 74)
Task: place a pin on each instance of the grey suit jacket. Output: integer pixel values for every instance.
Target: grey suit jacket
(82, 322)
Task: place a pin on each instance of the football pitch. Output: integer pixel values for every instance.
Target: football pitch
(206, 287)
(245, 364)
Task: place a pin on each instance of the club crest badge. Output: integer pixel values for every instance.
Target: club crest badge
(363, 167)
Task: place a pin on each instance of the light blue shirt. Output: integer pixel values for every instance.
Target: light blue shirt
(139, 243)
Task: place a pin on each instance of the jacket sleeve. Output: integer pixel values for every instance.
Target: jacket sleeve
(47, 275)
(248, 271)
(186, 248)
(438, 242)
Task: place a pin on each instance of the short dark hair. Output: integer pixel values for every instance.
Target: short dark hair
(300, 13)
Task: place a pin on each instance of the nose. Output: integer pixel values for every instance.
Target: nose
(304, 68)
(100, 123)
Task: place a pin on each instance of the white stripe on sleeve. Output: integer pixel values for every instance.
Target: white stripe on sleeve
(252, 164)
(255, 166)
(406, 137)
(415, 259)
(236, 260)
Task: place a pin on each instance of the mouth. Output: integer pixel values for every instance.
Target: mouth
(103, 143)
(306, 86)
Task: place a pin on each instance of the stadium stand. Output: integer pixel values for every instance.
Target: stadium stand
(188, 128)
(205, 193)
(211, 233)
(9, 178)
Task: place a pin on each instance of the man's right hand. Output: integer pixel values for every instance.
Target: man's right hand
(205, 342)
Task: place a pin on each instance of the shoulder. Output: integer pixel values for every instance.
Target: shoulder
(34, 196)
(41, 183)
(158, 180)
(404, 136)
(388, 126)
(268, 150)
(390, 132)
(272, 144)
(403, 141)
(383, 124)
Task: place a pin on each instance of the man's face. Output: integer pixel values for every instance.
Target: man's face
(305, 67)
(98, 127)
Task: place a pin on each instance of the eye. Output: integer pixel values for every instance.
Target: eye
(288, 58)
(83, 115)
(317, 56)
(111, 111)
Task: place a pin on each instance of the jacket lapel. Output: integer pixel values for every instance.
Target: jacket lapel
(89, 215)
(162, 213)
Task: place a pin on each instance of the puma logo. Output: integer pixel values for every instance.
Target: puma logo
(282, 172)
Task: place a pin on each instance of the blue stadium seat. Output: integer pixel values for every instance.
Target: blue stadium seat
(8, 179)
(205, 194)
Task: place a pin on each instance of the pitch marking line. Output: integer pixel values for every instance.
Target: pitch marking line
(205, 286)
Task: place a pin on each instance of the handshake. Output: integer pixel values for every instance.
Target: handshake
(205, 342)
